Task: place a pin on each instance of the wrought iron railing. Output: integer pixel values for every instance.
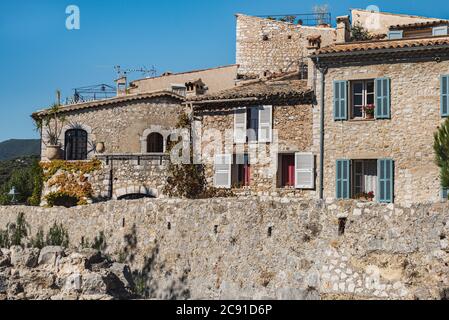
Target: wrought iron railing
(305, 19)
(161, 158)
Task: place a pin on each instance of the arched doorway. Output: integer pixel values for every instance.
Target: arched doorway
(75, 144)
(155, 143)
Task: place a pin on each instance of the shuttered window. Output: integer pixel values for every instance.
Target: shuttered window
(265, 123)
(340, 100)
(444, 93)
(385, 176)
(343, 179)
(222, 168)
(304, 171)
(444, 193)
(382, 98)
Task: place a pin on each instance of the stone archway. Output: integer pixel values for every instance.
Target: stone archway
(134, 191)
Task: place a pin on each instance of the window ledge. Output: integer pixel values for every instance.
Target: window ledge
(361, 120)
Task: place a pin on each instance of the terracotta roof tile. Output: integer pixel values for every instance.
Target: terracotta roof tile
(106, 102)
(259, 89)
(367, 46)
(419, 24)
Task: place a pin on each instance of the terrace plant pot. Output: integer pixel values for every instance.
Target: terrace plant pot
(53, 152)
(369, 116)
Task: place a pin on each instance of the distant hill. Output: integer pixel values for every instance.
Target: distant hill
(14, 148)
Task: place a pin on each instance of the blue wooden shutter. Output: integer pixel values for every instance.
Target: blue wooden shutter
(444, 193)
(343, 179)
(382, 98)
(385, 179)
(444, 92)
(340, 100)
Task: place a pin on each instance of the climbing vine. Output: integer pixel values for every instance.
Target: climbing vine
(188, 180)
(70, 180)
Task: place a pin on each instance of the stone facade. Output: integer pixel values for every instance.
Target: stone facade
(269, 247)
(215, 79)
(124, 128)
(407, 137)
(121, 126)
(283, 49)
(292, 129)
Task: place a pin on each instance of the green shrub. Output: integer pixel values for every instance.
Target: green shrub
(38, 241)
(15, 233)
(57, 236)
(99, 242)
(61, 199)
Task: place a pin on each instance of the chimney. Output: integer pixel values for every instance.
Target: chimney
(122, 86)
(343, 29)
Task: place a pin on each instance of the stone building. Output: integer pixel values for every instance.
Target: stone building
(265, 46)
(266, 126)
(383, 101)
(259, 137)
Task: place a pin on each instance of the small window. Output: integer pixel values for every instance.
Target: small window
(287, 170)
(252, 123)
(75, 144)
(394, 35)
(241, 171)
(362, 99)
(155, 143)
(439, 31)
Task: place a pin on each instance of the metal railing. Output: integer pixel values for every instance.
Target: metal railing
(160, 157)
(305, 19)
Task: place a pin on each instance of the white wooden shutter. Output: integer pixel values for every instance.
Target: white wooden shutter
(240, 125)
(304, 170)
(265, 123)
(222, 176)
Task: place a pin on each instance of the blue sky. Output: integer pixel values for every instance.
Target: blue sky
(39, 55)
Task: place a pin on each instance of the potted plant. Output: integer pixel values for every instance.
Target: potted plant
(369, 111)
(51, 124)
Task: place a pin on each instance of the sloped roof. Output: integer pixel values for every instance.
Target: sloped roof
(112, 101)
(373, 46)
(260, 90)
(419, 24)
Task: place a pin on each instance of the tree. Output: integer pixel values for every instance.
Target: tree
(359, 33)
(441, 148)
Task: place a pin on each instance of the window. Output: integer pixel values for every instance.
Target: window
(365, 179)
(444, 95)
(75, 144)
(287, 170)
(253, 124)
(296, 170)
(394, 35)
(362, 98)
(439, 31)
(155, 143)
(241, 171)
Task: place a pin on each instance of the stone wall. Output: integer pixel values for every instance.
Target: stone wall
(269, 247)
(407, 137)
(282, 51)
(293, 127)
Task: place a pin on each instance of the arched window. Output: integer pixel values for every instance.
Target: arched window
(75, 144)
(155, 143)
